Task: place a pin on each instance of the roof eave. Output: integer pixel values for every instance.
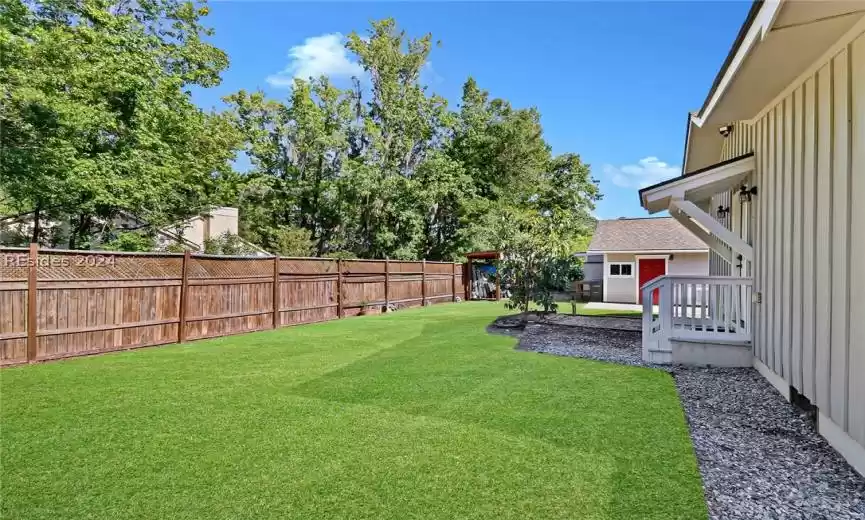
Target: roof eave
(757, 23)
(726, 173)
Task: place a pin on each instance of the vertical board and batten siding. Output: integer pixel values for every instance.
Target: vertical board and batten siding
(795, 216)
(856, 303)
(809, 241)
(738, 143)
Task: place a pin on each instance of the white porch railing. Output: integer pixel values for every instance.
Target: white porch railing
(703, 308)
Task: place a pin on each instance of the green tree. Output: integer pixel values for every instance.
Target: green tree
(535, 249)
(297, 150)
(385, 169)
(97, 114)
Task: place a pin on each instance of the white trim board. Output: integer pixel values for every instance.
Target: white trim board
(698, 185)
(621, 276)
(762, 23)
(650, 252)
(852, 451)
(713, 226)
(782, 386)
(606, 270)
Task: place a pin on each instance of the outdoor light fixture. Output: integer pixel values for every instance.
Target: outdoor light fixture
(725, 130)
(745, 193)
(722, 211)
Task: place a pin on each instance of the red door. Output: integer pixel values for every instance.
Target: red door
(649, 269)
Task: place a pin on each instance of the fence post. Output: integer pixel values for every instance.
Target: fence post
(386, 284)
(423, 282)
(184, 289)
(32, 271)
(339, 288)
(466, 281)
(276, 291)
(498, 280)
(454, 282)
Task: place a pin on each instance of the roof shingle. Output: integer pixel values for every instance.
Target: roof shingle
(644, 234)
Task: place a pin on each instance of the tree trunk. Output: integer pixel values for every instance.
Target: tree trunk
(36, 229)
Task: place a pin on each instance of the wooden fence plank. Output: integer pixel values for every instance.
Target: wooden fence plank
(339, 288)
(32, 272)
(184, 292)
(276, 292)
(157, 299)
(454, 282)
(387, 284)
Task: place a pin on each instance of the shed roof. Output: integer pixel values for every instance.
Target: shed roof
(644, 234)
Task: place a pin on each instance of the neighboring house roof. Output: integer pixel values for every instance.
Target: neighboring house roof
(643, 234)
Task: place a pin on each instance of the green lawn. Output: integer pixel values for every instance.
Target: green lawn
(417, 414)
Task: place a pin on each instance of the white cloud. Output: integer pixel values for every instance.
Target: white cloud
(323, 55)
(646, 172)
(429, 76)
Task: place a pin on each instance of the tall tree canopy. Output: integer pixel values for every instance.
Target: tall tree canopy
(97, 115)
(387, 169)
(98, 120)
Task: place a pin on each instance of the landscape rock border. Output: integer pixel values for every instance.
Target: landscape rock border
(758, 455)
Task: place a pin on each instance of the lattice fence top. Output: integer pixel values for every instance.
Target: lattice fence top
(88, 265)
(302, 266)
(105, 265)
(13, 266)
(214, 267)
(361, 267)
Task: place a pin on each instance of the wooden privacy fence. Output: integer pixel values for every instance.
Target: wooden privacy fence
(90, 302)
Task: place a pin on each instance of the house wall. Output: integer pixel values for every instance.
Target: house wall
(620, 290)
(694, 264)
(593, 268)
(626, 289)
(806, 225)
(738, 143)
(222, 220)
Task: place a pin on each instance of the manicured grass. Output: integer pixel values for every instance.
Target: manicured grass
(417, 414)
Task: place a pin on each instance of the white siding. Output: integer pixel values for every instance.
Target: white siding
(620, 290)
(856, 307)
(691, 264)
(624, 290)
(810, 238)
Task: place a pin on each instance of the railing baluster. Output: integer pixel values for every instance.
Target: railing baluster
(736, 294)
(696, 307)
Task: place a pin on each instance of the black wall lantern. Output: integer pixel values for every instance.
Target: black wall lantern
(745, 193)
(723, 212)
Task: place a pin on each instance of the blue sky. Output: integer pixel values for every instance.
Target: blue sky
(613, 80)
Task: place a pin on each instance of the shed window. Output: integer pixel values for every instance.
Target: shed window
(622, 270)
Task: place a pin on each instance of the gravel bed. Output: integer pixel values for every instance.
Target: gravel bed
(602, 344)
(759, 457)
(596, 322)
